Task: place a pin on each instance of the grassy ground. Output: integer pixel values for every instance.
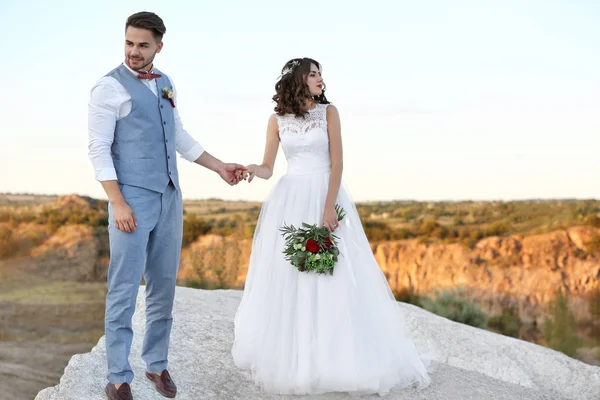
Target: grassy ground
(27, 367)
(42, 324)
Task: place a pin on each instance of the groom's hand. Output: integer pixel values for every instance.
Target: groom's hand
(232, 173)
(124, 217)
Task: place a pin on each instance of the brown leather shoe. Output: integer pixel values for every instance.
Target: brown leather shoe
(123, 393)
(164, 383)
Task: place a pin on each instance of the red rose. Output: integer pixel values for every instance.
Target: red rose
(312, 246)
(328, 243)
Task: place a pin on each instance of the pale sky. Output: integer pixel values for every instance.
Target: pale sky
(439, 100)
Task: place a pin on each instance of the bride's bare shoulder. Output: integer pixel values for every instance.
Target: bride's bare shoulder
(332, 110)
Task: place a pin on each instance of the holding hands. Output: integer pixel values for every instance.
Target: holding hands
(260, 171)
(232, 173)
(252, 170)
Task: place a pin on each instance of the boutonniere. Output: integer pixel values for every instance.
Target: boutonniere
(169, 95)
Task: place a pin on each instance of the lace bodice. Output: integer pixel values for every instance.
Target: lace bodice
(305, 141)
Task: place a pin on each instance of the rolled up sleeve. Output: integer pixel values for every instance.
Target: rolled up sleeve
(103, 112)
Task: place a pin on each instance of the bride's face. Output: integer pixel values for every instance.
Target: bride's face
(314, 81)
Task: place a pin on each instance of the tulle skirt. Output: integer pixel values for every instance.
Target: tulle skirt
(305, 333)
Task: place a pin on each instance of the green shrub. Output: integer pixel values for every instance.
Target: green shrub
(8, 246)
(427, 226)
(592, 220)
(560, 329)
(498, 228)
(406, 295)
(594, 308)
(508, 323)
(193, 227)
(449, 305)
(593, 247)
(375, 230)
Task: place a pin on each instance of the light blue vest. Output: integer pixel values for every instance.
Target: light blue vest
(143, 150)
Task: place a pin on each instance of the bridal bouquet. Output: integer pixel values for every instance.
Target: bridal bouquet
(311, 248)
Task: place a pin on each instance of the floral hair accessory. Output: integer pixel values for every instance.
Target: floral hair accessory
(290, 68)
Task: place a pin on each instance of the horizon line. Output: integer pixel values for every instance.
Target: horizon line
(489, 200)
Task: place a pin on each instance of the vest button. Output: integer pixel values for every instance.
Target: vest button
(161, 106)
(166, 140)
(168, 157)
(169, 172)
(164, 122)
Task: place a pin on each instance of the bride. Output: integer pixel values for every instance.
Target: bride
(302, 332)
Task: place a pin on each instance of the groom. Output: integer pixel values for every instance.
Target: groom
(135, 133)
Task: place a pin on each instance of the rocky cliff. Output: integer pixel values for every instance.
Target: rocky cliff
(524, 272)
(474, 364)
(520, 271)
(498, 272)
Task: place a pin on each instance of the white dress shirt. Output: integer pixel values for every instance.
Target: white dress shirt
(109, 102)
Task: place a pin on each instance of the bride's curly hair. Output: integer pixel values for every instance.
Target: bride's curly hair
(291, 90)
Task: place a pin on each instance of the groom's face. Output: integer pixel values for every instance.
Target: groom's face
(140, 48)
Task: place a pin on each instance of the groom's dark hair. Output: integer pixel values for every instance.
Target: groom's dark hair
(150, 21)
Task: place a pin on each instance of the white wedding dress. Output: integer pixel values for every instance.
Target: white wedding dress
(304, 333)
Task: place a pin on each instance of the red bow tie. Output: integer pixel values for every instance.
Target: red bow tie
(148, 75)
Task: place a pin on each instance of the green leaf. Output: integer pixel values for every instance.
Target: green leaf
(340, 212)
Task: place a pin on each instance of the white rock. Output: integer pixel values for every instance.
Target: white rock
(475, 364)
